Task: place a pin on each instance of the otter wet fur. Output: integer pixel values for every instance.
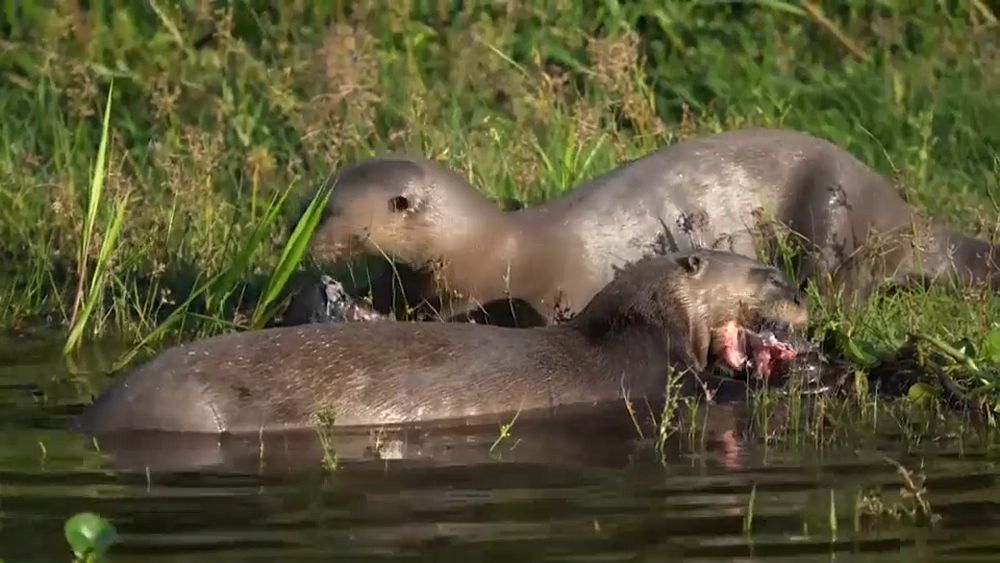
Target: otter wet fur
(688, 312)
(737, 191)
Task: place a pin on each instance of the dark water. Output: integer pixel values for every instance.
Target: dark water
(581, 491)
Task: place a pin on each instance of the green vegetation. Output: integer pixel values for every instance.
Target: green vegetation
(89, 536)
(326, 420)
(223, 120)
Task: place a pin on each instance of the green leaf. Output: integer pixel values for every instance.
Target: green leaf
(991, 347)
(859, 351)
(967, 347)
(291, 255)
(921, 392)
(108, 246)
(89, 534)
(223, 287)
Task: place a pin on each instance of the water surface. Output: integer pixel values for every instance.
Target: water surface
(577, 492)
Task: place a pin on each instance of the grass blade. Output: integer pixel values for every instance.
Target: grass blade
(225, 284)
(84, 301)
(100, 272)
(291, 255)
(95, 194)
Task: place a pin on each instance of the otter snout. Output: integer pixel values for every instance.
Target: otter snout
(794, 315)
(332, 244)
(785, 317)
(327, 251)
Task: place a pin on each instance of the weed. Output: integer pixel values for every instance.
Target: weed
(325, 423)
(913, 503)
(87, 295)
(669, 422)
(505, 430)
(751, 505)
(833, 515)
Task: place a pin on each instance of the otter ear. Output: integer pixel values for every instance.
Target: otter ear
(399, 204)
(692, 264)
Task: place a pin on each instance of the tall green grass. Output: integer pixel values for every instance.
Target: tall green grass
(223, 119)
(88, 294)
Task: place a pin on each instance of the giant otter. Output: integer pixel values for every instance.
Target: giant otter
(686, 312)
(726, 191)
(318, 297)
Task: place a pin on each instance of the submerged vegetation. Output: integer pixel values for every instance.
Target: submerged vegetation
(223, 120)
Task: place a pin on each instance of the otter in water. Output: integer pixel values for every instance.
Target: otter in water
(686, 312)
(736, 191)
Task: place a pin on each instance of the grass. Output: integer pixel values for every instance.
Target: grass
(86, 297)
(177, 220)
(326, 420)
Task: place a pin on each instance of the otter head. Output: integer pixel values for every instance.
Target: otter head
(712, 306)
(410, 210)
(751, 310)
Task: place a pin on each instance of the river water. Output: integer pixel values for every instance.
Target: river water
(579, 491)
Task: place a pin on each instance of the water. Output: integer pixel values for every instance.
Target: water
(577, 492)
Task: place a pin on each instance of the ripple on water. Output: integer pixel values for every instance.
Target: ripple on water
(574, 496)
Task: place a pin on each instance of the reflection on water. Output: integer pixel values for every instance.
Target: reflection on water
(584, 490)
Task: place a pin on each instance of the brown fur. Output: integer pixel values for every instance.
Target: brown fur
(658, 314)
(716, 191)
(442, 233)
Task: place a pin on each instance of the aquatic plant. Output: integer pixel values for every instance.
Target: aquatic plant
(326, 419)
(505, 431)
(870, 506)
(89, 536)
(669, 422)
(751, 506)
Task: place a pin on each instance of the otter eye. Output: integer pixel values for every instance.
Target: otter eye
(398, 204)
(776, 280)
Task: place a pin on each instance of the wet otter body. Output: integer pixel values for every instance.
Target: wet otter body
(686, 312)
(716, 191)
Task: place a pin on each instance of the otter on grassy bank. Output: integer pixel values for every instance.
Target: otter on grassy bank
(723, 191)
(685, 312)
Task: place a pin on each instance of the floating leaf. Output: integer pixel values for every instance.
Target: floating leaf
(89, 535)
